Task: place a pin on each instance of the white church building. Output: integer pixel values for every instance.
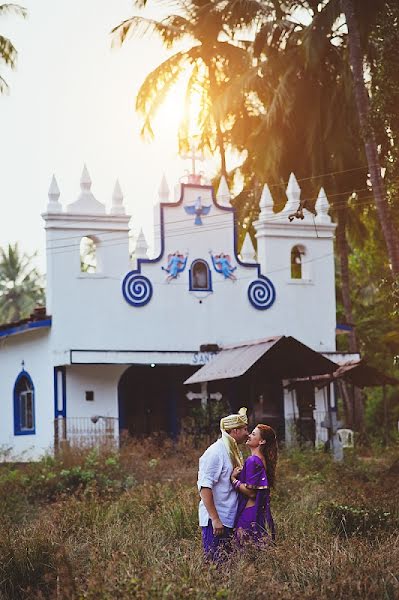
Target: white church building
(130, 345)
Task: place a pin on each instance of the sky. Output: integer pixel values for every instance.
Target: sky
(71, 102)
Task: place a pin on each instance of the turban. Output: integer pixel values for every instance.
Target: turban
(228, 423)
(233, 421)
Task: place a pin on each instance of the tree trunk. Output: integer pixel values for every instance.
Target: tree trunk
(353, 402)
(363, 108)
(343, 253)
(216, 117)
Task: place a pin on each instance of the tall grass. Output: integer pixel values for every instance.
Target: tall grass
(127, 528)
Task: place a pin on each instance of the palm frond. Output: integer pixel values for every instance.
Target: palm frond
(8, 53)
(317, 35)
(274, 34)
(3, 86)
(140, 26)
(156, 87)
(14, 9)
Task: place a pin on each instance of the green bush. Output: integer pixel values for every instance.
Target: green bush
(349, 520)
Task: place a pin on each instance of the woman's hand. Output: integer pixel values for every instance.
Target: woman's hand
(235, 472)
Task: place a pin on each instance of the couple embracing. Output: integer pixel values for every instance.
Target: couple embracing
(235, 496)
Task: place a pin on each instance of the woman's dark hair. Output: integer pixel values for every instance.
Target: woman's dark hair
(269, 451)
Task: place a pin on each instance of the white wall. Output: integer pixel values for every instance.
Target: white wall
(102, 380)
(31, 347)
(89, 311)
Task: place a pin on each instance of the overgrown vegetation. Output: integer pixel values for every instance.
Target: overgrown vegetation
(95, 524)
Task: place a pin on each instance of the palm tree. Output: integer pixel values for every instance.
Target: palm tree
(8, 53)
(292, 50)
(211, 63)
(21, 287)
(309, 120)
(370, 144)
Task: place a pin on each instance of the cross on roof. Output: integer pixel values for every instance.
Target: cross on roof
(193, 156)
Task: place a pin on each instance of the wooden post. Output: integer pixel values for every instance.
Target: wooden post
(385, 405)
(56, 436)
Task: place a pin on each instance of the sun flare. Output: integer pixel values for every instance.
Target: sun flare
(179, 113)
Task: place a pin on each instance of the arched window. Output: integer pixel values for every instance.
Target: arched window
(24, 405)
(88, 257)
(297, 266)
(200, 276)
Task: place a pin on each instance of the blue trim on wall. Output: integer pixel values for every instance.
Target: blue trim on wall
(261, 293)
(17, 414)
(64, 396)
(57, 391)
(163, 205)
(14, 329)
(190, 283)
(137, 289)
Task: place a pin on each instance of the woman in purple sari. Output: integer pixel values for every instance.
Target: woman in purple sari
(253, 483)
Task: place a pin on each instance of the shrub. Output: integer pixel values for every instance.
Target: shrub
(349, 520)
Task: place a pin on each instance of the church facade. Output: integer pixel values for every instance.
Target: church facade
(110, 354)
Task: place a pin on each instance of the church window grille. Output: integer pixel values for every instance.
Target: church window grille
(24, 405)
(200, 276)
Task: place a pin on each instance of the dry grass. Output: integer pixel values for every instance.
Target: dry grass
(104, 541)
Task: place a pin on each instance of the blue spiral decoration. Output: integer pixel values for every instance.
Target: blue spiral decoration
(261, 293)
(136, 289)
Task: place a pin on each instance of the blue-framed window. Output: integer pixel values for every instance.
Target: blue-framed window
(24, 405)
(200, 278)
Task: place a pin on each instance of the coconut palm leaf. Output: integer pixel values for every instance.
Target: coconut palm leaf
(170, 30)
(10, 8)
(156, 87)
(20, 284)
(8, 53)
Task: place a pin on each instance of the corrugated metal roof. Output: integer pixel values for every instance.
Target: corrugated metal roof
(357, 372)
(233, 361)
(274, 359)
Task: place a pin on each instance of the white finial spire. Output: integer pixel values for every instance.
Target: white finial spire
(85, 180)
(86, 202)
(266, 202)
(322, 206)
(223, 194)
(53, 195)
(248, 253)
(141, 246)
(117, 207)
(163, 191)
(293, 194)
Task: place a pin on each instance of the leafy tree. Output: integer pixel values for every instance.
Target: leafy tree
(21, 288)
(308, 46)
(8, 53)
(363, 106)
(211, 64)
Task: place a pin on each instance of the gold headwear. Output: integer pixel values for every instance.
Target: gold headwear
(233, 421)
(228, 423)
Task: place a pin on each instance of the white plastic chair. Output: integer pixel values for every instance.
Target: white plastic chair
(346, 438)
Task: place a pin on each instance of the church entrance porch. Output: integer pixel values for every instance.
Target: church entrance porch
(152, 399)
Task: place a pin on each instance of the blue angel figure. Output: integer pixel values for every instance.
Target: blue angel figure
(197, 209)
(176, 264)
(222, 264)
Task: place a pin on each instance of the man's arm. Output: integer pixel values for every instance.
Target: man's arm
(207, 498)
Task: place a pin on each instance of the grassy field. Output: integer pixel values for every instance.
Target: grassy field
(102, 526)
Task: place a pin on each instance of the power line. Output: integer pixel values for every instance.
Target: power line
(177, 232)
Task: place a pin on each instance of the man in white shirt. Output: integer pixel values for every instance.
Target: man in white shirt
(218, 505)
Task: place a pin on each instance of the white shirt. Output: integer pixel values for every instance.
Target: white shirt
(215, 469)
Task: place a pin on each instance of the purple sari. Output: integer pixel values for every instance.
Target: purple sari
(256, 520)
